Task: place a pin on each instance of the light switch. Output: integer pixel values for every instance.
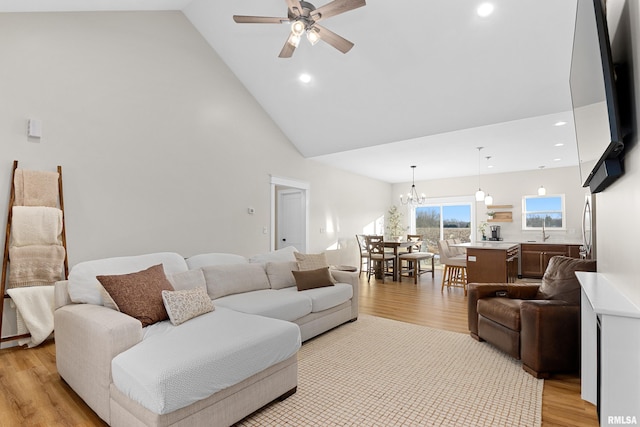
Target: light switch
(34, 128)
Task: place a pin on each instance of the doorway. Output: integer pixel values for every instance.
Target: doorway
(289, 214)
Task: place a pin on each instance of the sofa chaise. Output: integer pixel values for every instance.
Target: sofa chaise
(213, 369)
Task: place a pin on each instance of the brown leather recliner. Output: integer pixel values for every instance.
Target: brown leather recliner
(538, 323)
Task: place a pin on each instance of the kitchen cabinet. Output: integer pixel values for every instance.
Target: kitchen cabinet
(534, 258)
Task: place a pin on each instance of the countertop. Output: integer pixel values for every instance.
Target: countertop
(502, 245)
(553, 242)
(496, 245)
(604, 297)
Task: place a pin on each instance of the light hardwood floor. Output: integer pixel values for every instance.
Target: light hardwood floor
(32, 393)
(425, 304)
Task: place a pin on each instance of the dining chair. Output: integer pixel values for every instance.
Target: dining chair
(364, 252)
(413, 259)
(455, 267)
(413, 238)
(379, 259)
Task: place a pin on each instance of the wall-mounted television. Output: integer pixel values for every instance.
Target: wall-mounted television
(594, 96)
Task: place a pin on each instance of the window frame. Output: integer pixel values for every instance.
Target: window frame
(562, 211)
(445, 201)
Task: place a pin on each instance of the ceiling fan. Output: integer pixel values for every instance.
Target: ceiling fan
(304, 18)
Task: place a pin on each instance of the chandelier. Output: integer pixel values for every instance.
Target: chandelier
(412, 196)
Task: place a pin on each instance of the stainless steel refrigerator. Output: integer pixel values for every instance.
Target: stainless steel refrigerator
(588, 248)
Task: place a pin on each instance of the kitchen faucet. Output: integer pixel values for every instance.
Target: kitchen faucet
(545, 237)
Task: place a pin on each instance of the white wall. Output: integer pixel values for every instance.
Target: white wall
(618, 207)
(162, 148)
(508, 189)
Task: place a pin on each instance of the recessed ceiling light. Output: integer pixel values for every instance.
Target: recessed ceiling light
(485, 9)
(560, 123)
(557, 159)
(490, 166)
(559, 144)
(305, 78)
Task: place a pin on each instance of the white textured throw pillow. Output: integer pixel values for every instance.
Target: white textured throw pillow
(308, 262)
(186, 304)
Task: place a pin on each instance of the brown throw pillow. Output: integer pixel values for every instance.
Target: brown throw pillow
(312, 262)
(311, 279)
(139, 294)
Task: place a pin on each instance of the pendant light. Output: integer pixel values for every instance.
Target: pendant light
(479, 193)
(489, 199)
(542, 191)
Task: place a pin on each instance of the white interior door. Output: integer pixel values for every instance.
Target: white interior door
(291, 219)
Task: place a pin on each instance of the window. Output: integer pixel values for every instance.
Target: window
(443, 219)
(543, 210)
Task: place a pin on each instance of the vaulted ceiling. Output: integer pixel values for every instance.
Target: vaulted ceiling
(425, 84)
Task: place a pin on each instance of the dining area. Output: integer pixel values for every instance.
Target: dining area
(395, 258)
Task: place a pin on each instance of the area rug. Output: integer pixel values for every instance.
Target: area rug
(380, 372)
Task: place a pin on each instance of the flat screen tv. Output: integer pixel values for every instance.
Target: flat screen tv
(595, 99)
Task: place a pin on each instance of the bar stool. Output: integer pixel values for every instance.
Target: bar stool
(455, 267)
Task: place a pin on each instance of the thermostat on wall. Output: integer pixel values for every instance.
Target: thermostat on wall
(34, 128)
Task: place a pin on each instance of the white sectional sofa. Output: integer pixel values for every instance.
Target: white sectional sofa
(212, 370)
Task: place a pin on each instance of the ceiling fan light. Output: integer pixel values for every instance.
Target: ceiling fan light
(294, 40)
(313, 37)
(297, 28)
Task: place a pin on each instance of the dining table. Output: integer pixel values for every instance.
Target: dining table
(396, 246)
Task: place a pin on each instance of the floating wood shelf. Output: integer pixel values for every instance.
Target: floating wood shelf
(501, 217)
(490, 207)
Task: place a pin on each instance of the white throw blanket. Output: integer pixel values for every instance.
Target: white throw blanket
(36, 225)
(35, 305)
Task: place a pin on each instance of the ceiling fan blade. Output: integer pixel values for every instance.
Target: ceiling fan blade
(288, 48)
(336, 7)
(339, 42)
(259, 19)
(295, 7)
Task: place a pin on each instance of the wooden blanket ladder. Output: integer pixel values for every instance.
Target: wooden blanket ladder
(5, 260)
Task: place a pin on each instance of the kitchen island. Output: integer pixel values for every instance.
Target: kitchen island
(492, 262)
